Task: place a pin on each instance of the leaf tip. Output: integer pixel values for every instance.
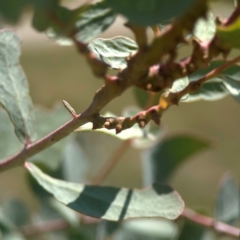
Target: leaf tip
(27, 165)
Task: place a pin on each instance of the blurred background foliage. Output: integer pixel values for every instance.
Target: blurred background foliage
(55, 73)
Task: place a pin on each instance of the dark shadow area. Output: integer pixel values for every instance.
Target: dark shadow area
(161, 188)
(95, 201)
(126, 204)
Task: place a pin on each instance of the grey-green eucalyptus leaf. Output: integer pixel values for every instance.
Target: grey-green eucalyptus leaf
(233, 86)
(180, 84)
(17, 212)
(75, 162)
(216, 88)
(93, 21)
(227, 208)
(88, 22)
(111, 203)
(210, 91)
(68, 214)
(114, 51)
(149, 12)
(14, 91)
(48, 121)
(162, 160)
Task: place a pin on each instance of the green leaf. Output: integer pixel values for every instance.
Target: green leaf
(74, 155)
(14, 93)
(150, 229)
(180, 84)
(69, 215)
(9, 144)
(87, 21)
(16, 212)
(228, 36)
(192, 231)
(11, 9)
(163, 159)
(48, 121)
(49, 5)
(151, 137)
(114, 51)
(214, 89)
(149, 12)
(210, 91)
(8, 230)
(141, 96)
(40, 21)
(205, 29)
(233, 86)
(41, 194)
(6, 226)
(227, 202)
(111, 203)
(93, 21)
(133, 132)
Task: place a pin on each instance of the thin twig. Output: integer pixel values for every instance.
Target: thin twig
(209, 222)
(195, 85)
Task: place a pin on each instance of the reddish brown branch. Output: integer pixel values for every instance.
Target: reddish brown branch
(195, 85)
(209, 222)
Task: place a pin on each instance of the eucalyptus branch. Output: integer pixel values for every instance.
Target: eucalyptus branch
(134, 74)
(162, 76)
(102, 97)
(209, 222)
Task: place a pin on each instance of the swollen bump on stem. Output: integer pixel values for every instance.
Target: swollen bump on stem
(119, 128)
(141, 123)
(155, 117)
(107, 125)
(149, 86)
